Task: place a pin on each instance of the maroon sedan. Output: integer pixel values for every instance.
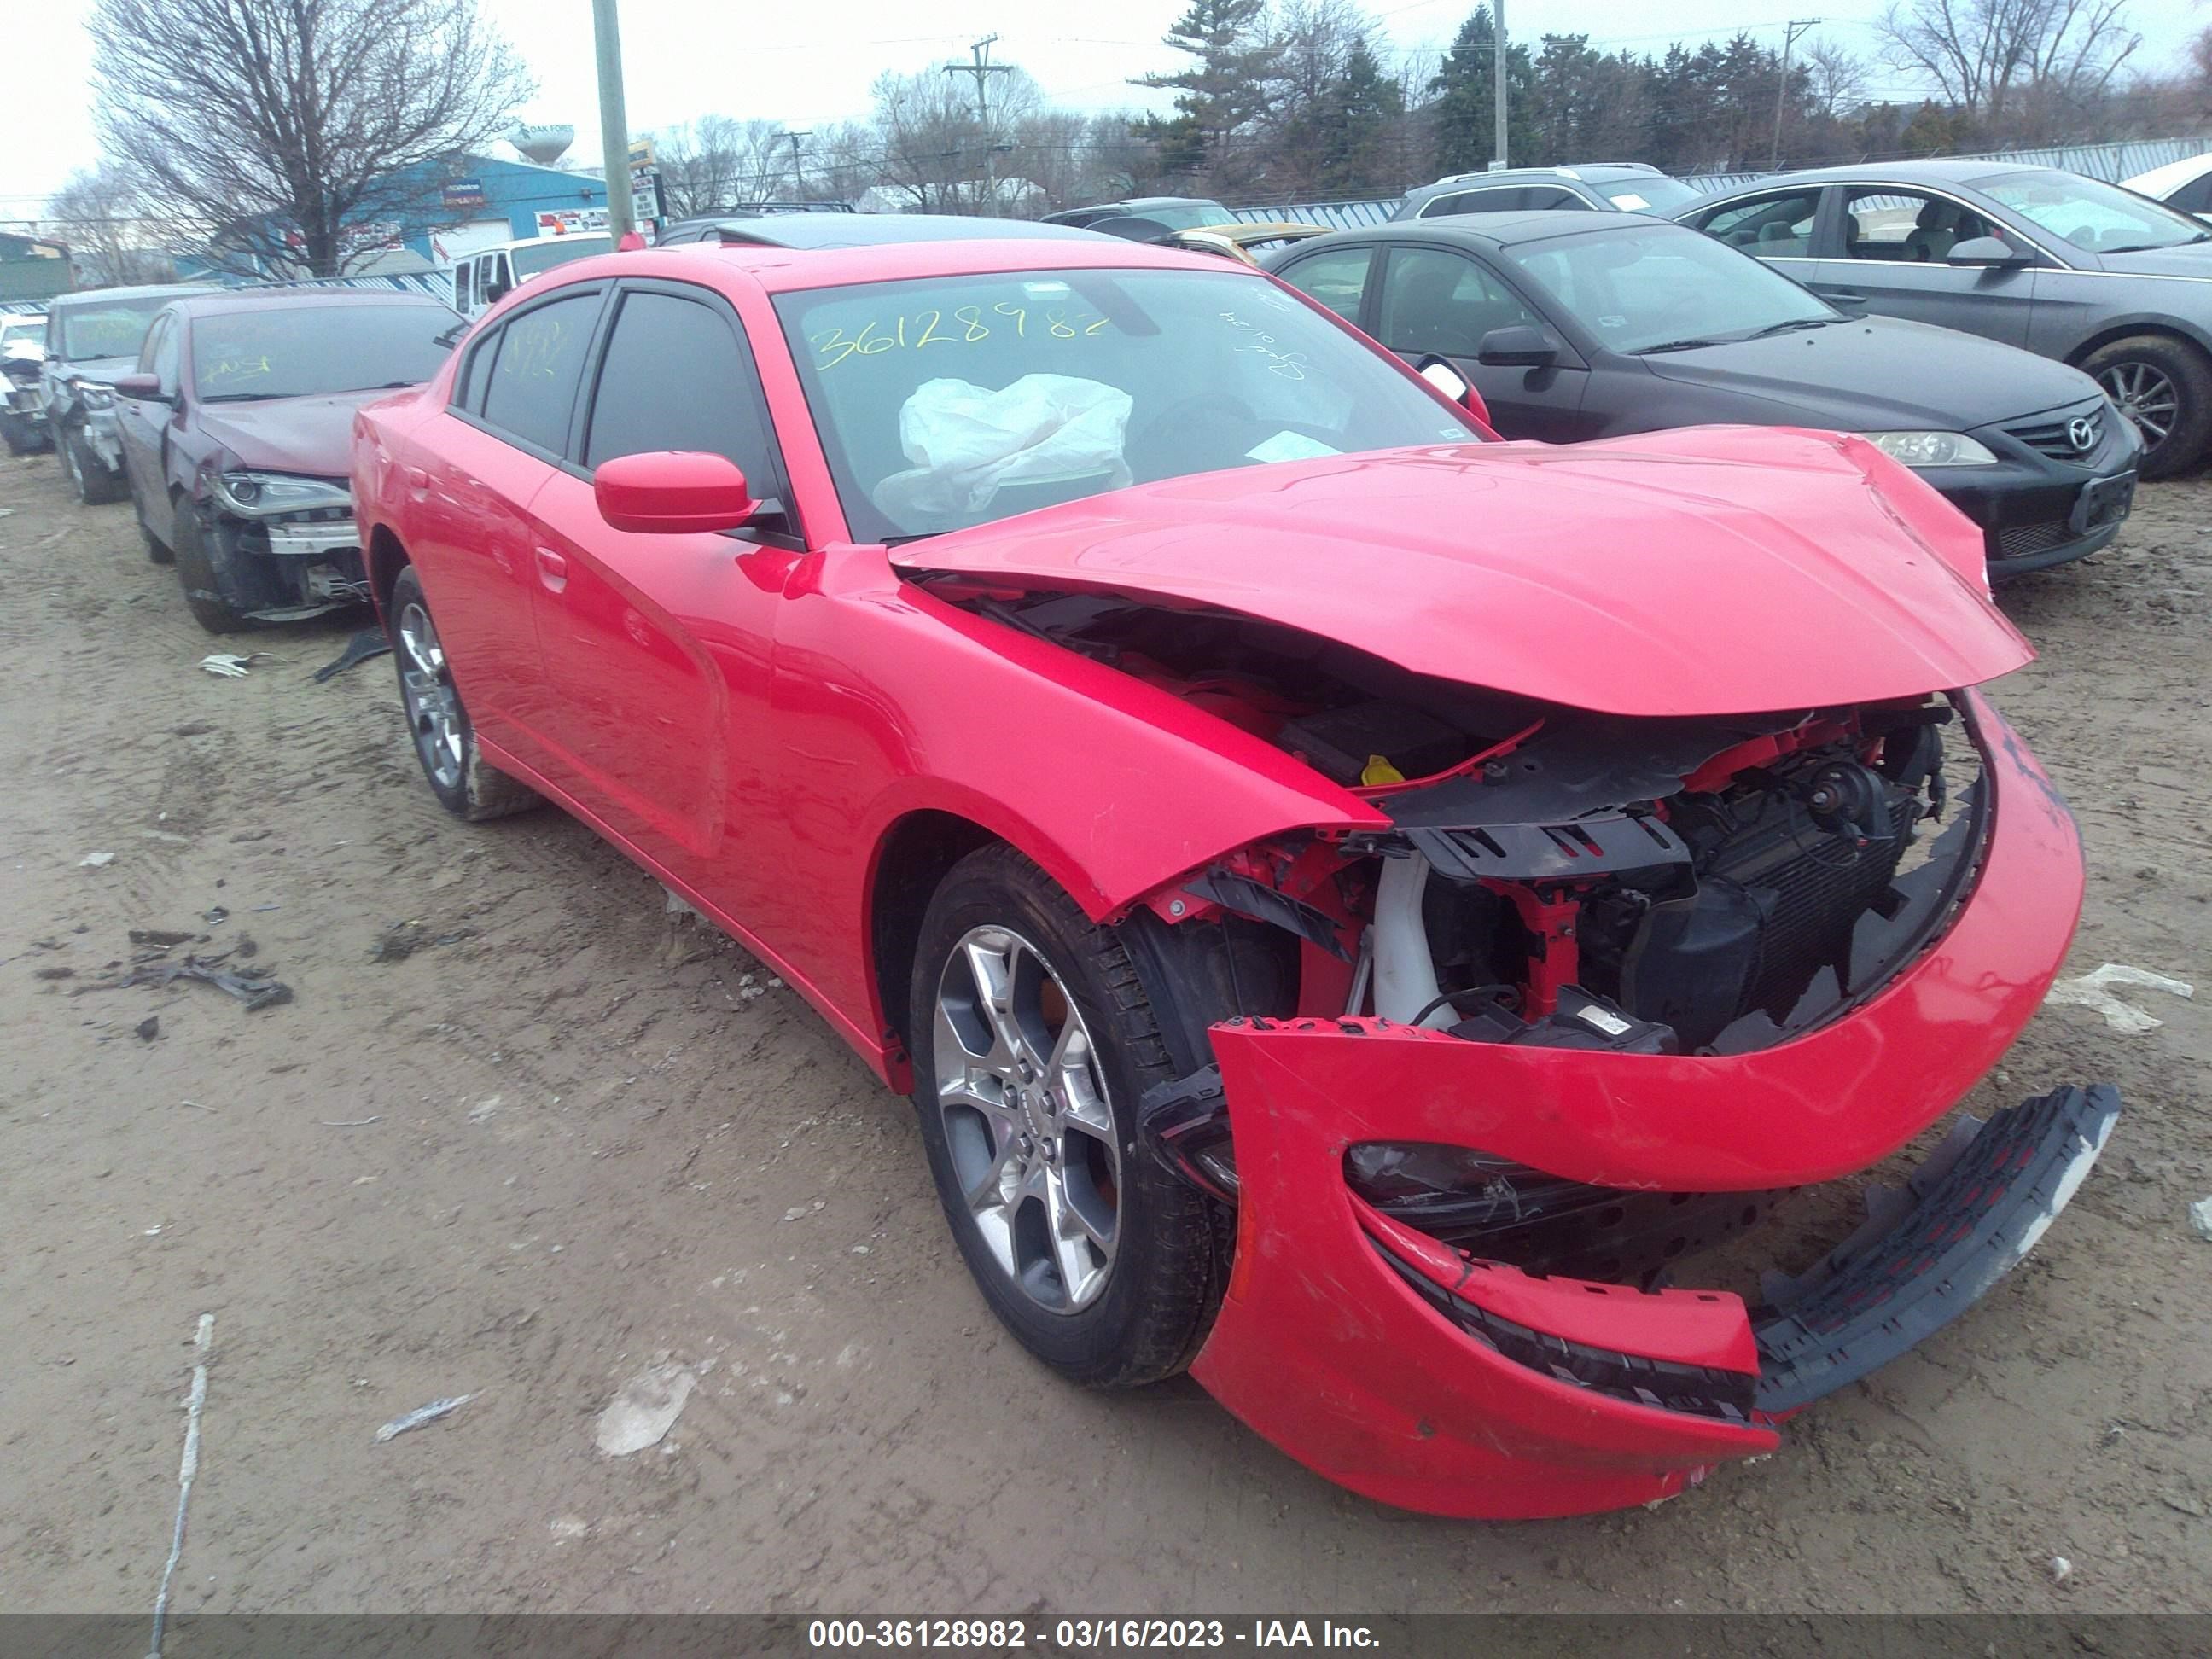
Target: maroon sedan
(235, 429)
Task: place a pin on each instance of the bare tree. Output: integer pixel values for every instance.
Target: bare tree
(716, 162)
(935, 151)
(114, 238)
(286, 128)
(1839, 79)
(1985, 55)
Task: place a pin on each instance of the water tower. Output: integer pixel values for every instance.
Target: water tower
(543, 144)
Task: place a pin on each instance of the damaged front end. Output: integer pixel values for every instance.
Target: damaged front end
(281, 547)
(1592, 1005)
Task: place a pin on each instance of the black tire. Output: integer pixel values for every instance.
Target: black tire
(94, 484)
(466, 784)
(2169, 381)
(17, 432)
(1144, 996)
(196, 576)
(157, 550)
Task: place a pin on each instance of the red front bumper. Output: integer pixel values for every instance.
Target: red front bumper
(1330, 1351)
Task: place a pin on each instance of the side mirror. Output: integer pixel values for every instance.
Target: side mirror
(672, 492)
(146, 388)
(1987, 252)
(1519, 346)
(1439, 373)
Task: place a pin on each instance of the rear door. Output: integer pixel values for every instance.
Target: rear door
(656, 645)
(472, 476)
(1889, 256)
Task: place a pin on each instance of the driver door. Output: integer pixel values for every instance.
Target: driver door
(1437, 301)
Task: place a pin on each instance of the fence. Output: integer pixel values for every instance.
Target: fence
(2110, 162)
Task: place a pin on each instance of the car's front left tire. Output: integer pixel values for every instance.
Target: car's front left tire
(1034, 1034)
(466, 784)
(95, 486)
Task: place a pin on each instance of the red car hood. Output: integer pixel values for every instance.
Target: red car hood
(1712, 570)
(289, 435)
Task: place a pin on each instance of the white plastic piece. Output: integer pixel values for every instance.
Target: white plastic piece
(2093, 990)
(967, 443)
(188, 1469)
(2200, 1218)
(1405, 968)
(421, 1414)
(645, 1410)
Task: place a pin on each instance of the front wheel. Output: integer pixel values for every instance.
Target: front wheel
(2165, 386)
(95, 486)
(1034, 1034)
(465, 784)
(196, 573)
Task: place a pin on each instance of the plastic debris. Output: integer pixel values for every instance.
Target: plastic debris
(148, 1028)
(257, 987)
(2061, 1569)
(645, 1410)
(2093, 990)
(95, 860)
(421, 1414)
(231, 666)
(369, 642)
(2200, 1218)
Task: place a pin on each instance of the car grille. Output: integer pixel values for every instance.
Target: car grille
(2053, 435)
(2019, 541)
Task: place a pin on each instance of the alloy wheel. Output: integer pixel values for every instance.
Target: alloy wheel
(2146, 396)
(1027, 1119)
(434, 708)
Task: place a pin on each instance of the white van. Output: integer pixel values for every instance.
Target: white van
(487, 276)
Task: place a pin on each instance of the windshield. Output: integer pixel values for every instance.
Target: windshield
(961, 400)
(108, 328)
(21, 331)
(1663, 196)
(1665, 286)
(534, 257)
(2101, 217)
(1186, 215)
(300, 350)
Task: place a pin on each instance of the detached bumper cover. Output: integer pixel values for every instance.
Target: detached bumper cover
(1411, 1372)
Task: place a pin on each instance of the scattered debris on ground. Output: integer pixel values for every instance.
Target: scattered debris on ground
(2200, 1218)
(257, 987)
(423, 1414)
(231, 666)
(2093, 990)
(95, 860)
(645, 1410)
(369, 642)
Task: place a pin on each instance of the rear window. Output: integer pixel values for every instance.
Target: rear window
(302, 350)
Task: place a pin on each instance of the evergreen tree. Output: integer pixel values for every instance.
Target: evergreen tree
(1461, 122)
(1222, 90)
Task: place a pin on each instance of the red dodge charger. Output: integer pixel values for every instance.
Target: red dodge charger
(1356, 905)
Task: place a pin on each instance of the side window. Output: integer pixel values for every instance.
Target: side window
(1337, 279)
(1902, 226)
(1552, 196)
(1499, 199)
(468, 380)
(1771, 227)
(532, 385)
(1440, 302)
(674, 377)
(462, 287)
(2194, 197)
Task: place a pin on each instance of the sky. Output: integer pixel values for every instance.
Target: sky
(811, 64)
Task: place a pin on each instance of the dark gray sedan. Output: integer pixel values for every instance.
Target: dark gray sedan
(1576, 325)
(2069, 268)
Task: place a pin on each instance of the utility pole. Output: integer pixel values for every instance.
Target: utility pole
(1790, 31)
(614, 120)
(798, 175)
(983, 68)
(1498, 59)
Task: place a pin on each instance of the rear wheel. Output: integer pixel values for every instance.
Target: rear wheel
(1035, 1033)
(465, 784)
(2165, 386)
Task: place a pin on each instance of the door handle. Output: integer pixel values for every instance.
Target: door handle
(552, 569)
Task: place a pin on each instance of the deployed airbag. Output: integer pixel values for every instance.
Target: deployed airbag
(968, 444)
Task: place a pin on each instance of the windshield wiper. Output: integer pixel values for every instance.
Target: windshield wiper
(2158, 247)
(1789, 326)
(244, 397)
(918, 536)
(1677, 345)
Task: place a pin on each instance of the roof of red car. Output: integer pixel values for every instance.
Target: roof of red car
(782, 270)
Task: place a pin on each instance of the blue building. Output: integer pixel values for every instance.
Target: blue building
(471, 201)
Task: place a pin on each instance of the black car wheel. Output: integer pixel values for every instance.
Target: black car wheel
(196, 573)
(2165, 386)
(95, 486)
(465, 784)
(1034, 1033)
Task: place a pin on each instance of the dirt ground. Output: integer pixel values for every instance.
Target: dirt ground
(567, 1136)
